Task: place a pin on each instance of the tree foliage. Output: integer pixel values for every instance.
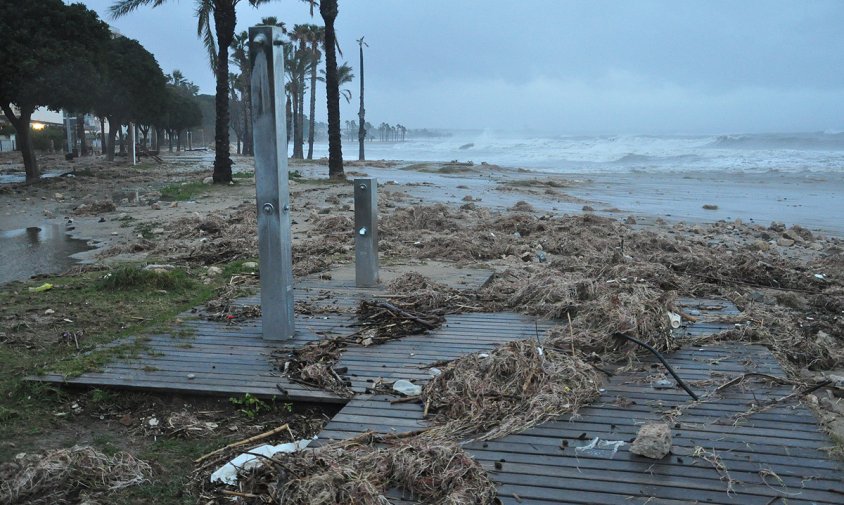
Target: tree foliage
(132, 87)
(49, 58)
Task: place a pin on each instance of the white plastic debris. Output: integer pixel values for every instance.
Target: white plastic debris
(820, 276)
(406, 387)
(227, 474)
(434, 371)
(153, 422)
(674, 318)
(483, 355)
(540, 351)
(601, 448)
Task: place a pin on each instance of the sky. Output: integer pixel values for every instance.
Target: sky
(560, 66)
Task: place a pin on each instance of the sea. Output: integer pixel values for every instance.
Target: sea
(749, 153)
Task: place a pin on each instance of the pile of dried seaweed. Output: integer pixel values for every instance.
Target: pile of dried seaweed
(513, 387)
(313, 365)
(362, 471)
(610, 276)
(61, 476)
(384, 321)
(420, 294)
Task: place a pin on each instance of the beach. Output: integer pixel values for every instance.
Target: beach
(612, 251)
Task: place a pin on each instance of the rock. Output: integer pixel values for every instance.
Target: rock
(126, 420)
(49, 214)
(792, 235)
(157, 231)
(526, 256)
(785, 242)
(155, 206)
(173, 205)
(407, 388)
(214, 271)
(49, 312)
(777, 227)
(208, 180)
(588, 208)
(250, 265)
(653, 441)
(468, 198)
(630, 220)
(761, 245)
(59, 196)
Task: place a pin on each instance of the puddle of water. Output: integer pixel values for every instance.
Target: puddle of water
(36, 250)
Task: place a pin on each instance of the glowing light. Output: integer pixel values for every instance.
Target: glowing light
(38, 126)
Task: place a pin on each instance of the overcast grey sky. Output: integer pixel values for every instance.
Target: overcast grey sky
(559, 66)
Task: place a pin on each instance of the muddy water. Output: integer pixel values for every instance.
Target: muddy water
(36, 250)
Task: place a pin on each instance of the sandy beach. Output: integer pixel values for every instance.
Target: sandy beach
(613, 252)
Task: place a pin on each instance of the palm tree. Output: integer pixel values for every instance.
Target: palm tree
(344, 75)
(316, 38)
(240, 57)
(217, 41)
(298, 68)
(328, 11)
(361, 111)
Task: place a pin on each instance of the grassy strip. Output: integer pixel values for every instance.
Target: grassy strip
(64, 329)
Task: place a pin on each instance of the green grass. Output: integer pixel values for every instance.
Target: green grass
(135, 278)
(99, 311)
(243, 175)
(184, 191)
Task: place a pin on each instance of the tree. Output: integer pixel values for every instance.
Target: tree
(361, 111)
(316, 38)
(328, 10)
(131, 89)
(181, 112)
(299, 65)
(217, 41)
(49, 58)
(240, 57)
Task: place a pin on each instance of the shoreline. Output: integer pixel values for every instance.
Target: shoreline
(644, 198)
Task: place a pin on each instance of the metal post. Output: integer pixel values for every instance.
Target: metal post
(366, 233)
(131, 134)
(268, 126)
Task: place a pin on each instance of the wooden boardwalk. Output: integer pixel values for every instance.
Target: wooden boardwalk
(723, 451)
(207, 357)
(772, 456)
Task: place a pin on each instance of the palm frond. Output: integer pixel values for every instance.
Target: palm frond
(204, 30)
(123, 7)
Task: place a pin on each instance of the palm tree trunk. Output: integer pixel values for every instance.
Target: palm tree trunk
(362, 111)
(311, 121)
(289, 116)
(247, 116)
(224, 24)
(297, 154)
(328, 11)
(301, 139)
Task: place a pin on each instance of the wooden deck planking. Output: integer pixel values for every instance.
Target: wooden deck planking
(537, 467)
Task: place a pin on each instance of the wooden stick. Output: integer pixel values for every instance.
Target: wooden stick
(741, 378)
(235, 493)
(571, 331)
(408, 399)
(249, 440)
